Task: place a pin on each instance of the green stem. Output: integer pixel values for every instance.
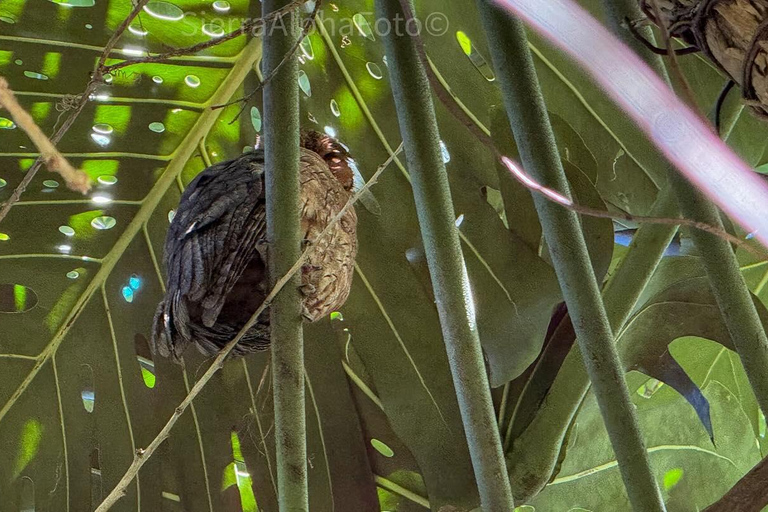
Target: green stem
(418, 126)
(530, 124)
(281, 149)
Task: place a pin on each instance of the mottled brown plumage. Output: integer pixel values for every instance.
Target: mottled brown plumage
(216, 252)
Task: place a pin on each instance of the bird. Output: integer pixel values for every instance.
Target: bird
(216, 250)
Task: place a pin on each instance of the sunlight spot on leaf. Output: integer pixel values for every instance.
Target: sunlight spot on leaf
(374, 70)
(75, 3)
(107, 180)
(35, 75)
(134, 282)
(103, 222)
(649, 388)
(171, 215)
(382, 448)
(4, 237)
(221, 5)
(101, 140)
(164, 11)
(89, 399)
(524, 508)
(18, 62)
(144, 356)
(134, 52)
(213, 30)
(242, 478)
(101, 199)
(7, 124)
(304, 84)
(103, 128)
(127, 292)
(444, 151)
(157, 127)
(335, 108)
(157, 79)
(137, 30)
(459, 220)
(64, 249)
(108, 78)
(363, 26)
(171, 496)
(672, 478)
(761, 424)
(330, 130)
(51, 184)
(192, 81)
(7, 19)
(29, 443)
(88, 26)
(256, 119)
(66, 231)
(474, 56)
(73, 274)
(3, 183)
(336, 315)
(16, 298)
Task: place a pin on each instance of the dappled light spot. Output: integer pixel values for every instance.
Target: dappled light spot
(363, 26)
(221, 6)
(75, 3)
(28, 445)
(88, 26)
(101, 199)
(146, 363)
(35, 75)
(164, 11)
(127, 293)
(103, 128)
(192, 81)
(335, 108)
(137, 30)
(761, 424)
(103, 222)
(672, 478)
(7, 124)
(213, 30)
(64, 248)
(4, 237)
(157, 79)
(382, 448)
(157, 127)
(171, 215)
(330, 130)
(66, 230)
(444, 151)
(134, 282)
(171, 496)
(3, 183)
(304, 84)
(374, 70)
(73, 274)
(256, 119)
(51, 184)
(649, 388)
(306, 49)
(336, 316)
(474, 56)
(459, 220)
(18, 62)
(107, 179)
(89, 399)
(101, 140)
(16, 298)
(7, 19)
(108, 78)
(134, 52)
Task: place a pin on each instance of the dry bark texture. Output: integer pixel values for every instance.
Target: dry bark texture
(733, 34)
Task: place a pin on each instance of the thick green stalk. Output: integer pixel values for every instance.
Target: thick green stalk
(281, 150)
(535, 140)
(418, 127)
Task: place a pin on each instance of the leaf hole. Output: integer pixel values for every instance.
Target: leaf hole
(474, 56)
(97, 491)
(16, 298)
(146, 363)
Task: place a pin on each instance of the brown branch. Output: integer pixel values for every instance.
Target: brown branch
(75, 179)
(96, 79)
(247, 27)
(308, 24)
(143, 454)
(749, 494)
(530, 184)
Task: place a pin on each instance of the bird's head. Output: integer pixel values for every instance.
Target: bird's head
(334, 154)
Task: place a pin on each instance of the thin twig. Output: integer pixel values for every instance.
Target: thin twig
(96, 78)
(143, 454)
(529, 183)
(308, 24)
(248, 26)
(75, 179)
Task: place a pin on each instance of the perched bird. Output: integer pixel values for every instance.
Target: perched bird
(216, 251)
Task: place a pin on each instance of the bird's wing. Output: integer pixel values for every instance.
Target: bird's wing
(218, 228)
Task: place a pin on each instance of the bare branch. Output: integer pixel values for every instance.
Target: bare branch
(143, 454)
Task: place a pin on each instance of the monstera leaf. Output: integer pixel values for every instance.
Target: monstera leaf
(80, 391)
